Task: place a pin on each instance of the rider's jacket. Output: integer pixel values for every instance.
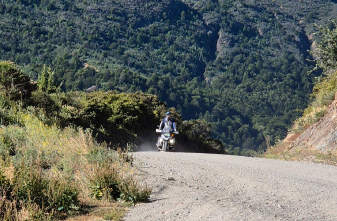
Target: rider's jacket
(167, 125)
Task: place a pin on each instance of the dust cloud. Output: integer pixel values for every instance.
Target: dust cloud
(147, 147)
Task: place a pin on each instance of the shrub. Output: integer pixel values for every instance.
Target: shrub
(8, 209)
(105, 184)
(108, 183)
(32, 189)
(6, 146)
(13, 82)
(52, 194)
(248, 153)
(30, 185)
(131, 192)
(8, 205)
(5, 187)
(62, 195)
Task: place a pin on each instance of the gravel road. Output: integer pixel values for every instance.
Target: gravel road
(192, 186)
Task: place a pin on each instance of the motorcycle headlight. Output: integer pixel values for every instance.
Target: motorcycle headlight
(172, 141)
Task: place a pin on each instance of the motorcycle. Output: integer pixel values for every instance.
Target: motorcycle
(166, 140)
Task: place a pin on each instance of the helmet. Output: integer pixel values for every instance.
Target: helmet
(168, 113)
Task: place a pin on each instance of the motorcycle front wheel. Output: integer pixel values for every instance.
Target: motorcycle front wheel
(165, 146)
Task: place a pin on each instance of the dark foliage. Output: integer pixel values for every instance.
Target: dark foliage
(14, 83)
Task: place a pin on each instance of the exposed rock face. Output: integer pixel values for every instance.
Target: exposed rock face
(321, 136)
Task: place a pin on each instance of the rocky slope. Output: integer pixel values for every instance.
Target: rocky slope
(321, 136)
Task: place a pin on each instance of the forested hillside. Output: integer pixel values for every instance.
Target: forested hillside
(240, 65)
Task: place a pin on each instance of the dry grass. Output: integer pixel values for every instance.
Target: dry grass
(101, 210)
(281, 151)
(278, 151)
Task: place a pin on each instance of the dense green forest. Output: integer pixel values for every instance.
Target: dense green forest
(240, 65)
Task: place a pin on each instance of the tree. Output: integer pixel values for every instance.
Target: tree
(14, 83)
(326, 52)
(183, 16)
(45, 80)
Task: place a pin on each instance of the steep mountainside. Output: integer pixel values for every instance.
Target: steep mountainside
(317, 143)
(313, 136)
(240, 65)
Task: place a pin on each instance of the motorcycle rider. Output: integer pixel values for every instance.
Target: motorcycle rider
(167, 125)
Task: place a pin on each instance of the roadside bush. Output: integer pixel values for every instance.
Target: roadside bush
(30, 185)
(248, 153)
(130, 191)
(52, 194)
(62, 194)
(104, 184)
(49, 169)
(38, 193)
(108, 183)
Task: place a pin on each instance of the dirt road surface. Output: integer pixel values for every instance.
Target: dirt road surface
(192, 186)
